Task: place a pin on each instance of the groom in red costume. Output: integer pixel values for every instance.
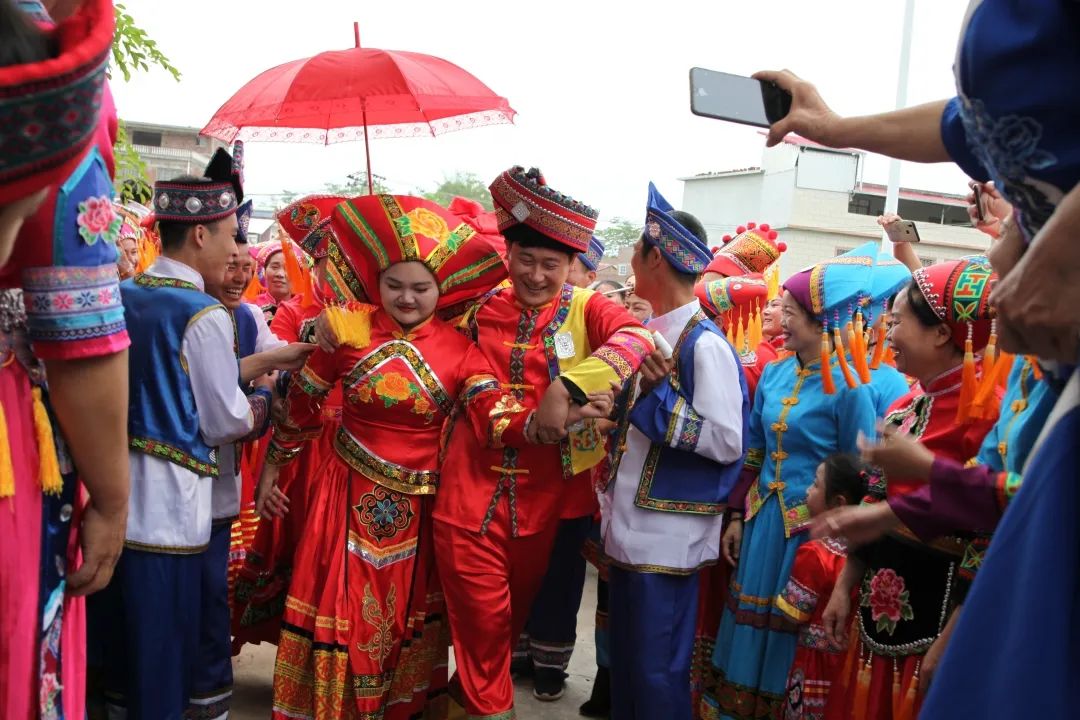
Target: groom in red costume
(497, 511)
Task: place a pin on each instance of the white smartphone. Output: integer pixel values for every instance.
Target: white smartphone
(903, 231)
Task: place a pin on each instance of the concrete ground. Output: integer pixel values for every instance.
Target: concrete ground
(254, 670)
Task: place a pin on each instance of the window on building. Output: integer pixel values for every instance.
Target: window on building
(840, 249)
(863, 204)
(927, 260)
(143, 137)
(623, 269)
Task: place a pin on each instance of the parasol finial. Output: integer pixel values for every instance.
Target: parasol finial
(356, 33)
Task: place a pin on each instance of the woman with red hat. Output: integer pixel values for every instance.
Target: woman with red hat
(264, 569)
(910, 589)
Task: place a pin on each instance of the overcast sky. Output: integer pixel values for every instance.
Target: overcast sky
(601, 87)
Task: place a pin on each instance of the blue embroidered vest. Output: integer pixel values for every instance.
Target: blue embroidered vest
(246, 331)
(675, 478)
(162, 417)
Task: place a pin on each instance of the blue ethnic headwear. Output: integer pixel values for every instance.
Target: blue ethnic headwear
(243, 220)
(890, 275)
(591, 258)
(679, 246)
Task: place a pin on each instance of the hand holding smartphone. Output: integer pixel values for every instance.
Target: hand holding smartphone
(736, 98)
(902, 231)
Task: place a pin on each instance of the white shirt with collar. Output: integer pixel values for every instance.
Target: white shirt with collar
(170, 506)
(226, 495)
(676, 542)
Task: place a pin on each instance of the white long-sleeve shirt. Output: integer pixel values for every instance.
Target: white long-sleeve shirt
(170, 506)
(226, 492)
(658, 541)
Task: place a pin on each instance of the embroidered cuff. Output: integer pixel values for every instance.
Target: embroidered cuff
(277, 455)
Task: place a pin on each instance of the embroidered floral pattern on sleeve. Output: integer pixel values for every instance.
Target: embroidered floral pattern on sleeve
(77, 306)
(97, 220)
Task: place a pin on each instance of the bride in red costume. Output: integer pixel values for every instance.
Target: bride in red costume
(362, 631)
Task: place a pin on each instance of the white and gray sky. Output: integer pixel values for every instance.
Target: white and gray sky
(600, 86)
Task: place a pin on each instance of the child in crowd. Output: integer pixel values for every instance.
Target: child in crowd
(841, 479)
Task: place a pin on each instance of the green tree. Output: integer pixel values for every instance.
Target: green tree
(356, 184)
(133, 50)
(460, 184)
(620, 233)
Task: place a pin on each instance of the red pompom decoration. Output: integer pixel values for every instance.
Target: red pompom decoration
(714, 249)
(726, 239)
(740, 230)
(751, 225)
(773, 234)
(764, 227)
(781, 246)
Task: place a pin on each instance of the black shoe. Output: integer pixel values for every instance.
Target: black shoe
(522, 667)
(548, 684)
(599, 703)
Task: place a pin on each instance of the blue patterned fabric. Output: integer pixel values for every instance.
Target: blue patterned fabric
(682, 248)
(163, 419)
(591, 259)
(994, 669)
(1024, 409)
(1014, 118)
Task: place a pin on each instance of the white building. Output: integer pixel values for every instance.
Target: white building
(814, 196)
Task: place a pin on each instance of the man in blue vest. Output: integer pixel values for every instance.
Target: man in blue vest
(683, 447)
(185, 402)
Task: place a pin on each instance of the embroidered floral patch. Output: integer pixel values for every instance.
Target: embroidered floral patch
(393, 388)
(98, 220)
(384, 513)
(887, 598)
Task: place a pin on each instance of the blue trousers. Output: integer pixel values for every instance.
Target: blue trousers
(552, 626)
(162, 630)
(147, 625)
(211, 685)
(652, 641)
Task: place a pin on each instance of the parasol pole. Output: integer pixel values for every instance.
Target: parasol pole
(363, 106)
(367, 153)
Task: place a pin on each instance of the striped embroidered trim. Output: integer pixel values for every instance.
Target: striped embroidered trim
(390, 475)
(175, 455)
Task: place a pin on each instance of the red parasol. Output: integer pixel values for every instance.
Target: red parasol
(356, 94)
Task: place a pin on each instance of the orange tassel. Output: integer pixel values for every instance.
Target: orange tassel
(253, 290)
(292, 268)
(1036, 371)
(52, 483)
(828, 385)
(895, 690)
(969, 383)
(849, 662)
(740, 338)
(841, 358)
(862, 691)
(987, 404)
(909, 705)
(730, 333)
(890, 357)
(7, 467)
(879, 344)
(858, 350)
